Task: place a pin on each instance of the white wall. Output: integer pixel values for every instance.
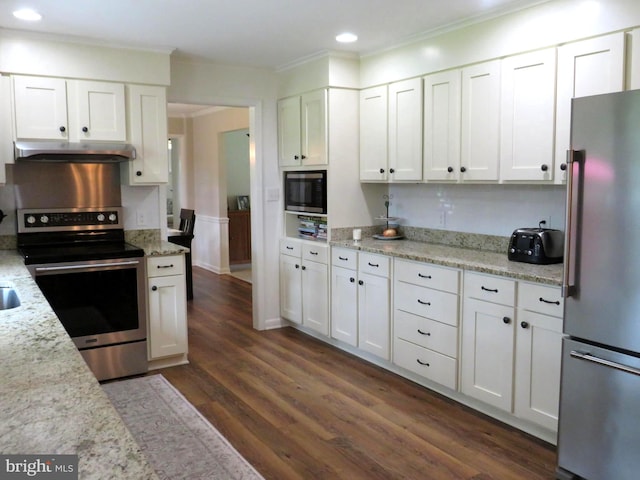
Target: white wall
(209, 84)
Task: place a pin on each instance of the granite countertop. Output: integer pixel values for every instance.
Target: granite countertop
(465, 258)
(50, 402)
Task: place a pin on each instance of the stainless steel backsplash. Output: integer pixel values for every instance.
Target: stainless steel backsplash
(62, 185)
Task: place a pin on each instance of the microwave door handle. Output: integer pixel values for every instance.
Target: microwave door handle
(574, 159)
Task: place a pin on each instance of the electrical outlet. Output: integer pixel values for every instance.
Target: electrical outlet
(141, 219)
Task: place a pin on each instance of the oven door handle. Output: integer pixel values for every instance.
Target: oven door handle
(85, 266)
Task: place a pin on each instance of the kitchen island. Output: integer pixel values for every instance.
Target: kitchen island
(50, 402)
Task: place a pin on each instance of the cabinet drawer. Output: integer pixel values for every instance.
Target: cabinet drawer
(540, 298)
(426, 333)
(426, 363)
(315, 253)
(289, 246)
(489, 288)
(161, 266)
(344, 257)
(428, 303)
(427, 275)
(374, 264)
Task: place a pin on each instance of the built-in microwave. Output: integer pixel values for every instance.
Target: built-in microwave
(306, 191)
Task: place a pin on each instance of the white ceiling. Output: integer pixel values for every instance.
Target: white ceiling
(258, 33)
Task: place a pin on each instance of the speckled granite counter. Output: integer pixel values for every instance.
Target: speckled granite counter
(50, 402)
(465, 258)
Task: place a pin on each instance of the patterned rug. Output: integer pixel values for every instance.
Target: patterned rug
(177, 440)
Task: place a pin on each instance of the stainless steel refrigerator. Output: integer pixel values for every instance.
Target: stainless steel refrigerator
(599, 425)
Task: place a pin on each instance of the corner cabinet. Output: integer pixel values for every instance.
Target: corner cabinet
(147, 131)
(167, 311)
(302, 129)
(6, 140)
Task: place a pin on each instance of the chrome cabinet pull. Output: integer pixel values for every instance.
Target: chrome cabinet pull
(607, 363)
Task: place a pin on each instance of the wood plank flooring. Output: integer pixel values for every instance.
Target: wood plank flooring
(297, 408)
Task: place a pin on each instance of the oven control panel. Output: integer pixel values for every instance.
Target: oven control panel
(38, 220)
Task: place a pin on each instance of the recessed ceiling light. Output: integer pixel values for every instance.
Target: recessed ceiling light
(27, 14)
(347, 37)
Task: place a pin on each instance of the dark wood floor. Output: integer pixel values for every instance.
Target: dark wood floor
(297, 408)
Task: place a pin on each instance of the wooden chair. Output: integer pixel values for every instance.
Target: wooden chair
(184, 238)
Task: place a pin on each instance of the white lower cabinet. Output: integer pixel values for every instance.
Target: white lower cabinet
(167, 305)
(361, 300)
(511, 356)
(304, 284)
(425, 320)
(538, 354)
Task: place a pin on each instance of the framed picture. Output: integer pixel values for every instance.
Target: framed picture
(243, 202)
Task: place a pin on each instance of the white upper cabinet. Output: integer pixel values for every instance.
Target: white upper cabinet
(302, 130)
(480, 122)
(96, 111)
(588, 67)
(40, 108)
(405, 130)
(442, 104)
(74, 110)
(6, 140)
(527, 116)
(373, 134)
(147, 114)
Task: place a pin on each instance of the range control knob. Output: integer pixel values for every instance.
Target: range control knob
(44, 219)
(113, 217)
(31, 219)
(101, 217)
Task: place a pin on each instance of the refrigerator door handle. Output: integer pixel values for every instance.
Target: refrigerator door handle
(607, 363)
(574, 157)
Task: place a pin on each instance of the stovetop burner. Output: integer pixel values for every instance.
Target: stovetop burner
(72, 235)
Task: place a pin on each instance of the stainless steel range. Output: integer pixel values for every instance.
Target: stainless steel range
(71, 235)
(94, 282)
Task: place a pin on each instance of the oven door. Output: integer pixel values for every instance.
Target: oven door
(99, 302)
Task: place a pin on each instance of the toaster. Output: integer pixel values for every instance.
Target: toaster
(541, 246)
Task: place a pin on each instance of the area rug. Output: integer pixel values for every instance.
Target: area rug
(177, 440)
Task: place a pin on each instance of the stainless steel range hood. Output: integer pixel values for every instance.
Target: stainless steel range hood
(52, 151)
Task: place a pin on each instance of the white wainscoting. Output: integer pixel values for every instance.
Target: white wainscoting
(210, 246)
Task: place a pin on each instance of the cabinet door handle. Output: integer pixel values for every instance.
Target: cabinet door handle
(544, 167)
(303, 157)
(382, 170)
(428, 334)
(424, 276)
(288, 247)
(360, 282)
(154, 288)
(422, 363)
(423, 303)
(492, 290)
(138, 173)
(313, 253)
(557, 302)
(63, 128)
(304, 268)
(166, 266)
(352, 280)
(297, 266)
(344, 259)
(295, 157)
(463, 169)
(85, 129)
(506, 320)
(449, 169)
(563, 166)
(373, 264)
(524, 324)
(391, 170)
